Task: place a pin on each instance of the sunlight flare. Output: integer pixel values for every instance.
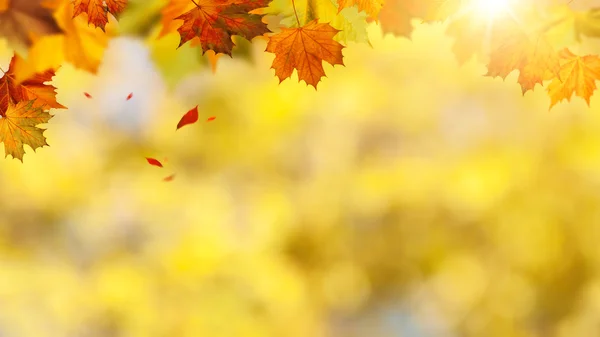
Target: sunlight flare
(491, 8)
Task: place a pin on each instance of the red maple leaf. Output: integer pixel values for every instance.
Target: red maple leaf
(97, 10)
(214, 22)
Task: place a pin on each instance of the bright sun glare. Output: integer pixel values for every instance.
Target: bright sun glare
(491, 8)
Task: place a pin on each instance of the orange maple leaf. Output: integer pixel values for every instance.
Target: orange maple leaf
(577, 75)
(396, 15)
(304, 49)
(97, 10)
(18, 126)
(533, 56)
(33, 88)
(214, 22)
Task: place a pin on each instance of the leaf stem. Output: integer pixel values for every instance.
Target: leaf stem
(2, 70)
(195, 3)
(295, 13)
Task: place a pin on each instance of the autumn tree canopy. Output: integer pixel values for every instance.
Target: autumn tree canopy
(533, 37)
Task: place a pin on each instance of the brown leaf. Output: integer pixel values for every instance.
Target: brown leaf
(22, 18)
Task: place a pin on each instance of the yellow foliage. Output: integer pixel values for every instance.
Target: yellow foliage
(407, 194)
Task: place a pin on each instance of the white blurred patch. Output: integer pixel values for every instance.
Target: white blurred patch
(127, 68)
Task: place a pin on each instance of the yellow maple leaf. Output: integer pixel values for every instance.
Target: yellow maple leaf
(18, 126)
(530, 54)
(81, 45)
(371, 7)
(351, 23)
(578, 74)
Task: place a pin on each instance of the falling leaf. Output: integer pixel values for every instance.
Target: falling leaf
(32, 88)
(169, 178)
(87, 95)
(129, 96)
(211, 118)
(21, 18)
(154, 162)
(577, 75)
(97, 10)
(304, 49)
(190, 117)
(18, 126)
(214, 22)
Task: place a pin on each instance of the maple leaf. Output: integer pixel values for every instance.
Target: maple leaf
(214, 22)
(81, 45)
(396, 15)
(371, 7)
(33, 88)
(19, 19)
(577, 75)
(351, 23)
(532, 55)
(469, 36)
(304, 49)
(18, 126)
(97, 10)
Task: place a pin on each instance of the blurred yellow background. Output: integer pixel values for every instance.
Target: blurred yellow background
(409, 196)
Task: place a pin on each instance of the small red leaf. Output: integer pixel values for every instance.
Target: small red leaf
(154, 162)
(169, 178)
(211, 118)
(87, 95)
(129, 96)
(189, 118)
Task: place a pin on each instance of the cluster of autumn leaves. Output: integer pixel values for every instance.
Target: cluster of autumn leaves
(23, 106)
(522, 38)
